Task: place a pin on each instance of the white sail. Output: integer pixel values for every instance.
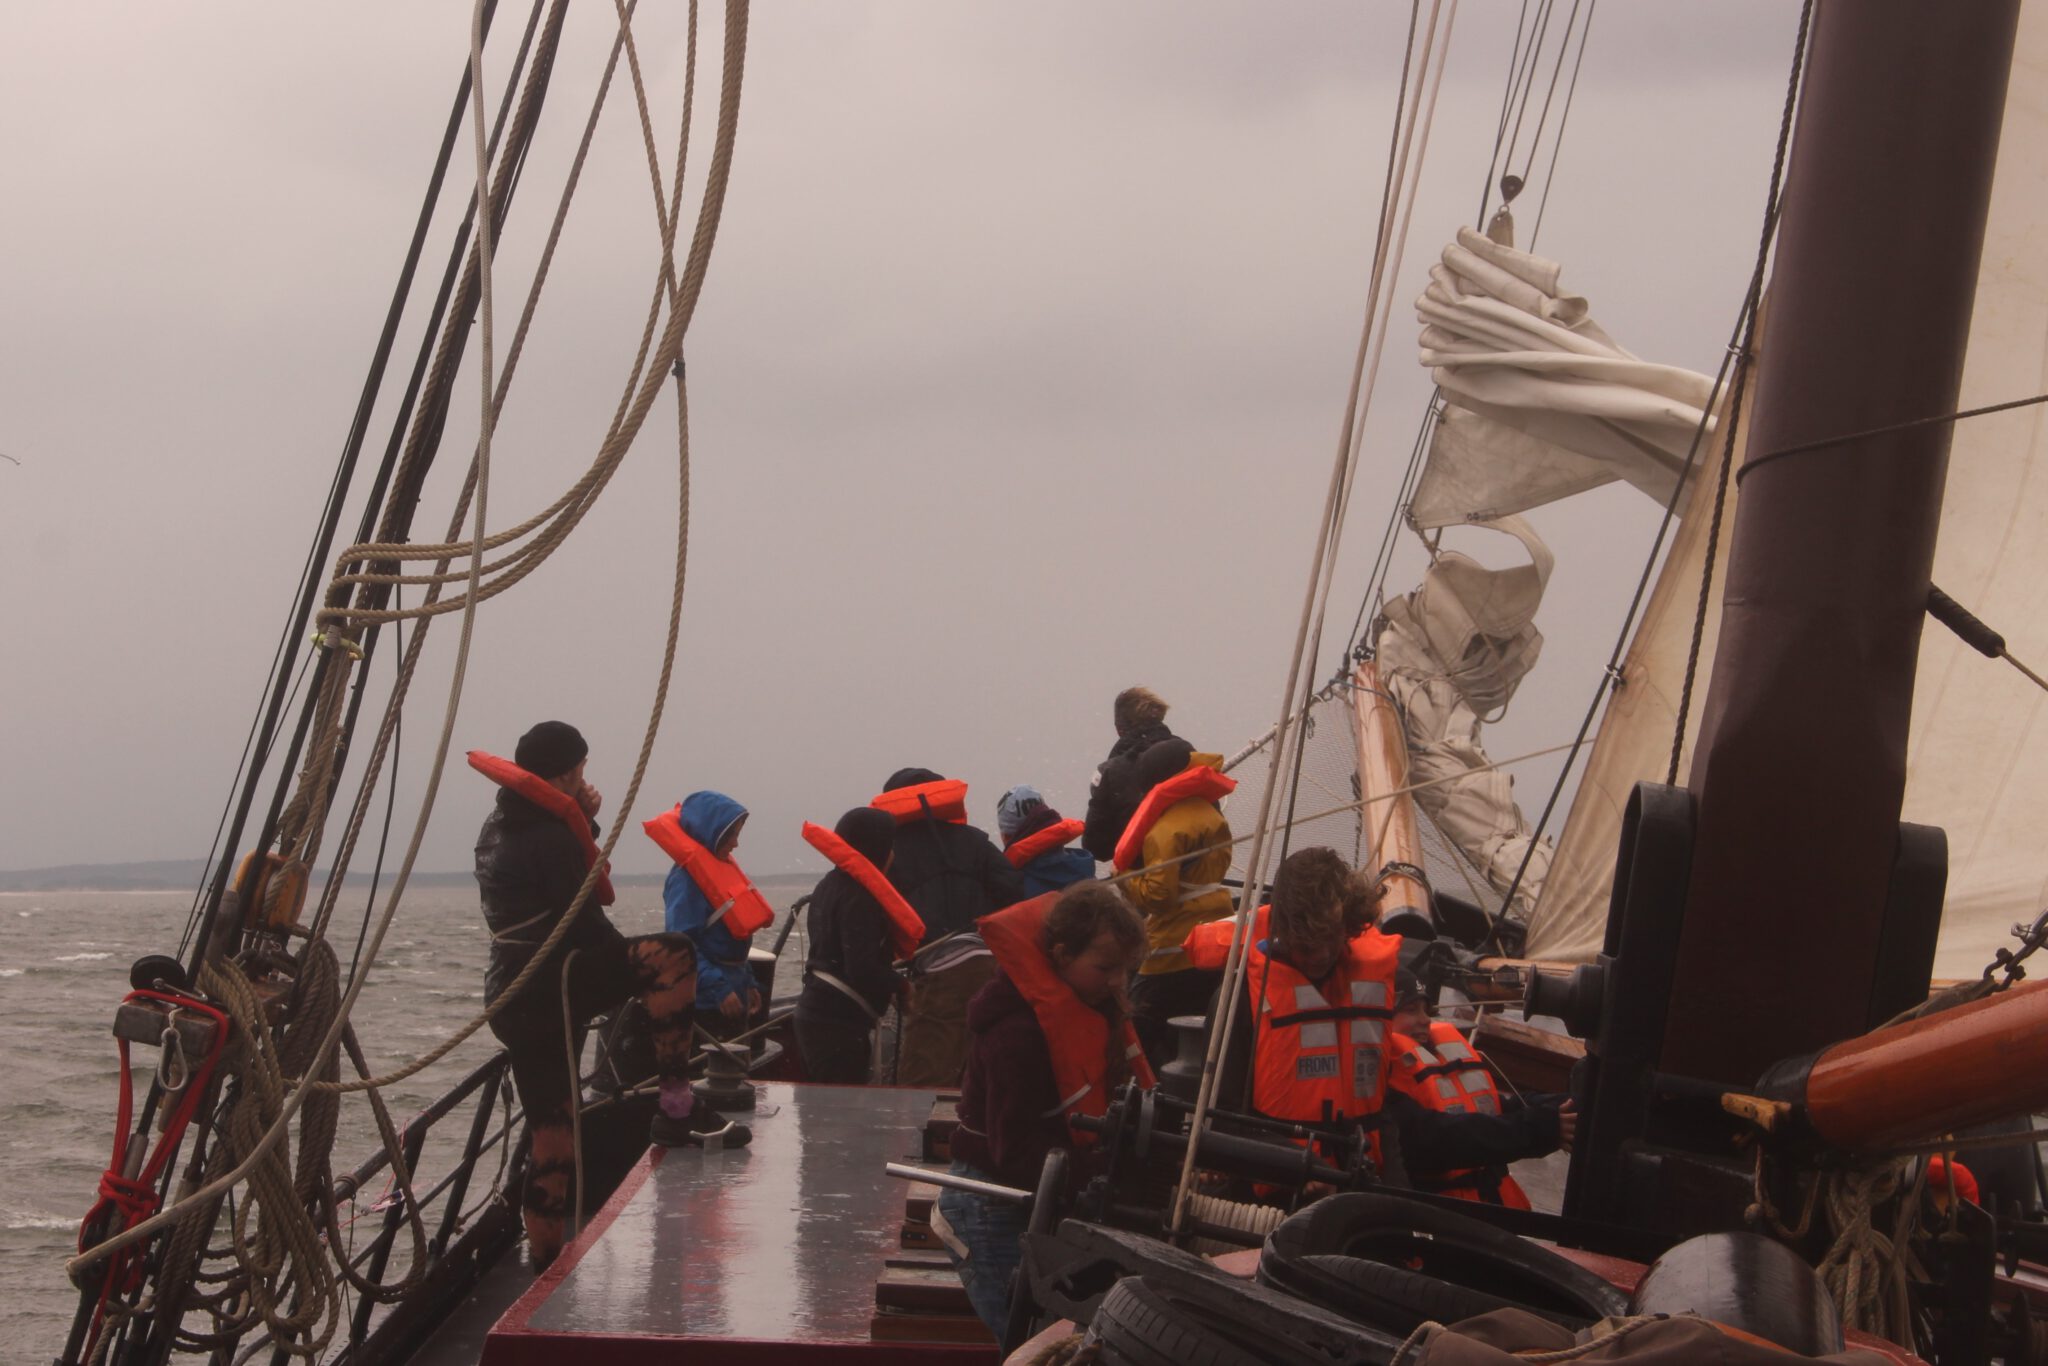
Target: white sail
(1977, 761)
(1451, 655)
(1540, 403)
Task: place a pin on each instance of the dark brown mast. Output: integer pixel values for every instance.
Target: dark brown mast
(1801, 761)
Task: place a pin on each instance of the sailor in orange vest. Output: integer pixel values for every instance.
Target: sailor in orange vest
(1438, 1069)
(860, 927)
(711, 900)
(535, 852)
(1172, 859)
(1320, 1001)
(1051, 1039)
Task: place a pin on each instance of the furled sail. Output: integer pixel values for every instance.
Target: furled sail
(1978, 759)
(1450, 655)
(1539, 404)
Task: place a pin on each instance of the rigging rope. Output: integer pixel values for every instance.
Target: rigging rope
(666, 354)
(1315, 600)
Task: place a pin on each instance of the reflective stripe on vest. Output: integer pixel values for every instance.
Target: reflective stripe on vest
(553, 800)
(732, 897)
(906, 927)
(944, 800)
(1077, 1036)
(1196, 782)
(1055, 836)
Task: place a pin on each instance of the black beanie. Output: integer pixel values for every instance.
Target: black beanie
(551, 749)
(870, 831)
(911, 777)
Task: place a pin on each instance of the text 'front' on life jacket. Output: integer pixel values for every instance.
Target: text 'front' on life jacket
(733, 898)
(1197, 781)
(944, 800)
(1077, 1036)
(1054, 836)
(551, 799)
(1447, 1075)
(1208, 944)
(906, 927)
(1321, 1053)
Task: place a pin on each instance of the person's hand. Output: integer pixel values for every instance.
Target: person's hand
(732, 1007)
(590, 799)
(753, 1003)
(1567, 1125)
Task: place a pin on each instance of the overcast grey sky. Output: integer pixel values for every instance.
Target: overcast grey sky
(1016, 380)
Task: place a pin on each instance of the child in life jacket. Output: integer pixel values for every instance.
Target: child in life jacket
(1050, 1037)
(709, 899)
(1438, 1072)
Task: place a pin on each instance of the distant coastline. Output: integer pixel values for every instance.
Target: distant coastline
(183, 875)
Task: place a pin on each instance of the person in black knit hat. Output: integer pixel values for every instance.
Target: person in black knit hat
(533, 855)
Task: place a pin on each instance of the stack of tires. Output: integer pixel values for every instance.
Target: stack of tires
(1343, 1283)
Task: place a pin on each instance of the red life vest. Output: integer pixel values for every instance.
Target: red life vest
(906, 927)
(1196, 781)
(944, 800)
(731, 895)
(1323, 1058)
(1208, 944)
(552, 799)
(1076, 1034)
(1043, 842)
(1451, 1078)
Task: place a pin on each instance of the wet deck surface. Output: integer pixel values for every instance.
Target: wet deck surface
(745, 1253)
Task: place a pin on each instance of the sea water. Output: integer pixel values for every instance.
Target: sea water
(64, 960)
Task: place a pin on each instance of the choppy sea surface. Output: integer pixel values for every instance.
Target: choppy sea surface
(64, 960)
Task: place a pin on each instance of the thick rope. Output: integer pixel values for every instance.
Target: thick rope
(665, 355)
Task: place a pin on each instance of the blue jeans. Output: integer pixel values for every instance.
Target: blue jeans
(993, 1233)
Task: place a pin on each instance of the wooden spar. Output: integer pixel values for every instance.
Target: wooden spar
(1936, 1074)
(1392, 839)
(1800, 765)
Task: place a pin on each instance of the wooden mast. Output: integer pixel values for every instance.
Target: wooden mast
(1801, 760)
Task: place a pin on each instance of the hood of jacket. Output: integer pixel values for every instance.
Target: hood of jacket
(994, 1003)
(708, 817)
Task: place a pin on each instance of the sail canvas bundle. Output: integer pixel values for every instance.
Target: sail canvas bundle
(1540, 402)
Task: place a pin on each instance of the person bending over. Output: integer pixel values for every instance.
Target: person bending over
(1039, 843)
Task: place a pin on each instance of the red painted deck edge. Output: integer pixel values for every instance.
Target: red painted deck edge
(528, 1304)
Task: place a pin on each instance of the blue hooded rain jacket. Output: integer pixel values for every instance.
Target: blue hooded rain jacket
(722, 968)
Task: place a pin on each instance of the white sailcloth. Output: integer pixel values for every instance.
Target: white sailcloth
(1978, 755)
(1540, 403)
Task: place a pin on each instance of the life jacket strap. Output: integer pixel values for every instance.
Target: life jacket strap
(874, 1016)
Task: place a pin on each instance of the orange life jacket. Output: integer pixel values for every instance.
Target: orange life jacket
(1043, 842)
(1196, 781)
(944, 800)
(552, 799)
(731, 895)
(1319, 1058)
(1076, 1034)
(906, 927)
(1208, 944)
(1452, 1079)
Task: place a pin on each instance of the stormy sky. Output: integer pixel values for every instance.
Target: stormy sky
(1016, 380)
